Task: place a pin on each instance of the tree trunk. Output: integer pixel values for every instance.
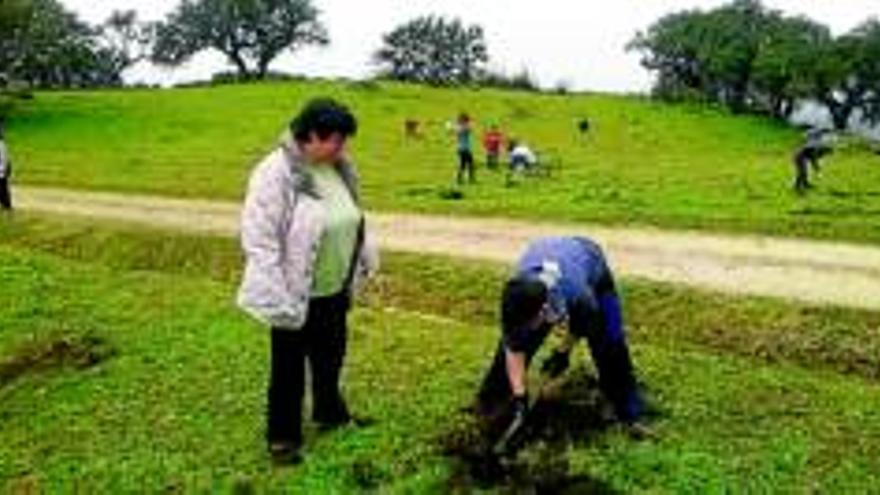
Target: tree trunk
(841, 118)
(262, 69)
(783, 107)
(243, 71)
(840, 112)
(737, 102)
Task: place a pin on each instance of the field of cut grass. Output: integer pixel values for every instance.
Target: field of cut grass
(643, 162)
(124, 368)
(840, 339)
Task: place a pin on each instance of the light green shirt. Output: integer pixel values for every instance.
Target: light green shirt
(340, 231)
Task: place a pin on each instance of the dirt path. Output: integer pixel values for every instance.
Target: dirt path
(817, 272)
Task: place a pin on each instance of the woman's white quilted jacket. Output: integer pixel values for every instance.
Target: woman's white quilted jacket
(281, 225)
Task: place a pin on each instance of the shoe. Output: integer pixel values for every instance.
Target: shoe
(640, 431)
(285, 453)
(357, 421)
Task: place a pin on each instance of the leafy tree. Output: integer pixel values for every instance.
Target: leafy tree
(121, 42)
(846, 75)
(787, 63)
(14, 15)
(433, 50)
(44, 45)
(731, 40)
(50, 47)
(707, 55)
(864, 41)
(251, 33)
(672, 48)
(749, 58)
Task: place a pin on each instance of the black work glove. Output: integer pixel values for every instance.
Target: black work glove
(556, 364)
(520, 406)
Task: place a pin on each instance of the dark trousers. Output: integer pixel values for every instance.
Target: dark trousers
(321, 342)
(517, 165)
(465, 165)
(603, 330)
(801, 173)
(805, 158)
(492, 160)
(5, 197)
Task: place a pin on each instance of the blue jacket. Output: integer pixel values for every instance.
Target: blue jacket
(573, 268)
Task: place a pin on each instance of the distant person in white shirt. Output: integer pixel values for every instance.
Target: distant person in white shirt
(5, 173)
(521, 158)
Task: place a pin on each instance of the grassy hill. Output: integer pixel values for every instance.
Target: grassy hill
(643, 163)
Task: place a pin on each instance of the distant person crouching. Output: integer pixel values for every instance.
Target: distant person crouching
(520, 159)
(816, 146)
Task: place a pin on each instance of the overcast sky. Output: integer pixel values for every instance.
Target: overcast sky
(580, 42)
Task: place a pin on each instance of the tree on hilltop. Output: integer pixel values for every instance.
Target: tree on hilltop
(433, 50)
(251, 33)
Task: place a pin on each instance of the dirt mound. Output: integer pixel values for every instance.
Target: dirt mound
(536, 462)
(79, 352)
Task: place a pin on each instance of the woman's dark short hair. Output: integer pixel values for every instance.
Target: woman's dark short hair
(521, 300)
(323, 116)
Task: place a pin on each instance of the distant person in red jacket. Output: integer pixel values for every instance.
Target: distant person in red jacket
(492, 141)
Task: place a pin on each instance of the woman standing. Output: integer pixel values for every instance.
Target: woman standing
(303, 236)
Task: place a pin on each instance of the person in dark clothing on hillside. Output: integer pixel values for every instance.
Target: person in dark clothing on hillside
(815, 147)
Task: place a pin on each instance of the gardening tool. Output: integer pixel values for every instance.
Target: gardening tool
(505, 444)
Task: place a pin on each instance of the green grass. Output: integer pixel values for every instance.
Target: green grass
(840, 339)
(644, 162)
(178, 405)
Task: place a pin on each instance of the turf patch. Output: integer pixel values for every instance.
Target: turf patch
(80, 353)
